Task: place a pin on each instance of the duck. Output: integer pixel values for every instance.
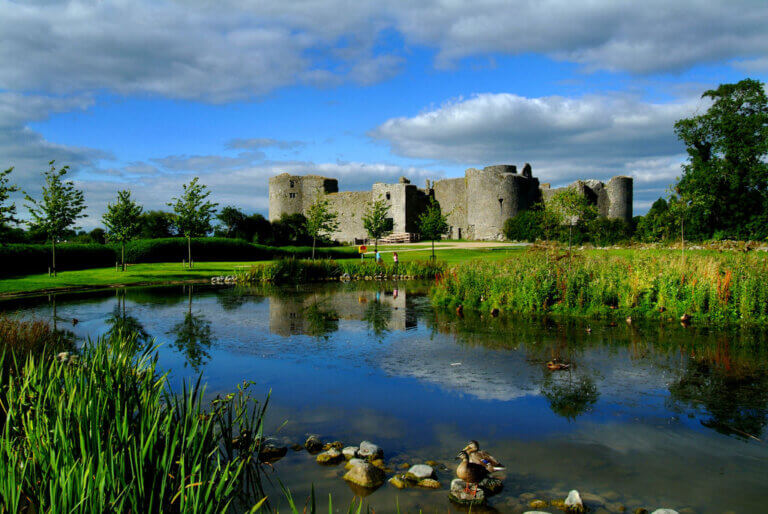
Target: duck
(470, 472)
(557, 366)
(75, 321)
(482, 457)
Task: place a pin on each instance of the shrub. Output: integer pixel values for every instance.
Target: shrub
(300, 271)
(526, 226)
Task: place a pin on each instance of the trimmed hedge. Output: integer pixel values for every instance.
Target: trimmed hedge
(212, 249)
(24, 259)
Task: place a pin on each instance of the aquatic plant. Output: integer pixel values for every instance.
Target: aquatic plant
(301, 271)
(105, 433)
(642, 284)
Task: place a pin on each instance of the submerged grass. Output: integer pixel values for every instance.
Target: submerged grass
(729, 287)
(103, 433)
(302, 271)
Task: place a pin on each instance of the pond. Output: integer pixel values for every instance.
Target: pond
(654, 415)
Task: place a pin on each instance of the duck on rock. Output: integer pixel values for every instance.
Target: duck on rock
(482, 457)
(470, 472)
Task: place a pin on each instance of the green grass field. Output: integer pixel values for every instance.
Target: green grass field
(158, 273)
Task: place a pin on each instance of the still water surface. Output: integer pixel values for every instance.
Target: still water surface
(647, 415)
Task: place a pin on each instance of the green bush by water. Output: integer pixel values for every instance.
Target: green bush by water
(730, 287)
(303, 270)
(103, 433)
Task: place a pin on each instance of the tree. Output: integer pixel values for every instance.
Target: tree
(61, 206)
(122, 220)
(7, 212)
(232, 219)
(571, 206)
(193, 213)
(726, 175)
(376, 221)
(321, 221)
(156, 224)
(290, 229)
(433, 224)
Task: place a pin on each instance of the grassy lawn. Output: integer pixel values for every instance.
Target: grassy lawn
(172, 272)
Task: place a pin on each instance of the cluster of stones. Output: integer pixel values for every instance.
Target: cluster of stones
(224, 279)
(366, 469)
(346, 277)
(579, 503)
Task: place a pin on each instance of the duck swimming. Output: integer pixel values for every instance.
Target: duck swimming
(557, 366)
(470, 472)
(482, 457)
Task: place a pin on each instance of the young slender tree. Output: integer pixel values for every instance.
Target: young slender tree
(433, 224)
(193, 212)
(571, 206)
(321, 221)
(123, 221)
(376, 221)
(58, 210)
(7, 212)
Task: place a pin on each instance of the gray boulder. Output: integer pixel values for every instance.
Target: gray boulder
(369, 450)
(460, 496)
(420, 472)
(350, 452)
(664, 511)
(313, 444)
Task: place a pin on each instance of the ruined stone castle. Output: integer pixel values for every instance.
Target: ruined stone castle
(476, 205)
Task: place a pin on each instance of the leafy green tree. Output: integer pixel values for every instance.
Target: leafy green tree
(376, 221)
(290, 229)
(232, 220)
(322, 221)
(433, 224)
(193, 213)
(657, 224)
(726, 176)
(156, 225)
(61, 206)
(122, 220)
(570, 206)
(7, 212)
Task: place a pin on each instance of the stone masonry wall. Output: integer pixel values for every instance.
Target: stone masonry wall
(451, 194)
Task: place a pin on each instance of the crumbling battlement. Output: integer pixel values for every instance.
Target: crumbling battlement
(476, 205)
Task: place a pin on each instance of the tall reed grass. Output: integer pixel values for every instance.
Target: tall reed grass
(300, 271)
(644, 284)
(103, 433)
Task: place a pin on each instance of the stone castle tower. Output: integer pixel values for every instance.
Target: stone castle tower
(477, 205)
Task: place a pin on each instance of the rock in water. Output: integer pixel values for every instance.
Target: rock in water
(664, 511)
(335, 445)
(350, 452)
(313, 444)
(351, 463)
(429, 483)
(458, 495)
(370, 450)
(398, 481)
(491, 485)
(365, 475)
(271, 453)
(331, 456)
(420, 472)
(573, 502)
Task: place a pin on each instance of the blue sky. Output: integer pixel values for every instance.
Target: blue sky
(147, 95)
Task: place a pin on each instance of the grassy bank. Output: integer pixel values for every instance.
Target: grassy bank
(169, 272)
(104, 433)
(298, 271)
(728, 287)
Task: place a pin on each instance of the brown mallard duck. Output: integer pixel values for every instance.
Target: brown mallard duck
(470, 472)
(482, 457)
(553, 365)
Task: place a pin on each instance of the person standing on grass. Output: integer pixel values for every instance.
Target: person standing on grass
(394, 257)
(378, 257)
